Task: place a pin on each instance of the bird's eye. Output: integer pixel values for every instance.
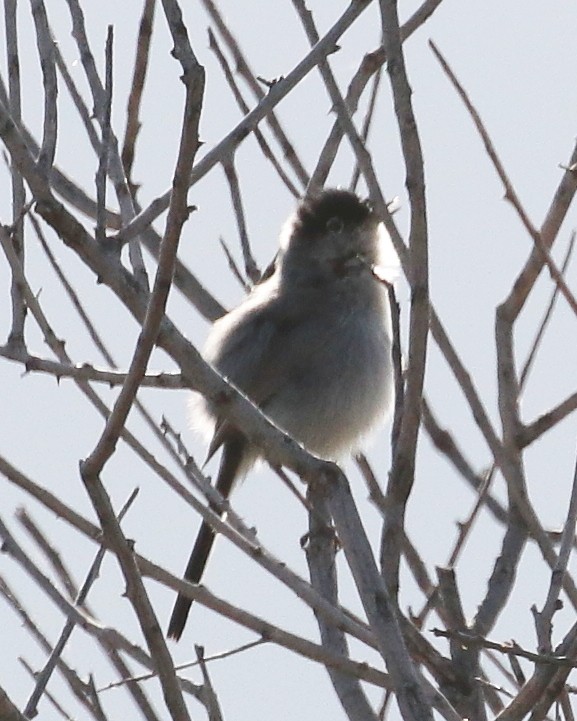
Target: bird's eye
(335, 225)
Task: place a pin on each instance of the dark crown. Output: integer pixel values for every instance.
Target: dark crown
(316, 212)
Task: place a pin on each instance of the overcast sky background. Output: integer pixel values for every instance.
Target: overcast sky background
(517, 61)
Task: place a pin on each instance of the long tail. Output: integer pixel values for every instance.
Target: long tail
(233, 453)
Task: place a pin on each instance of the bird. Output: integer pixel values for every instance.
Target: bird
(310, 345)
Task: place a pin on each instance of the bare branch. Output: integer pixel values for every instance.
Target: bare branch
(403, 470)
(250, 265)
(13, 104)
(259, 137)
(44, 676)
(510, 194)
(46, 54)
(252, 82)
(105, 146)
(138, 79)
(320, 552)
(276, 93)
(544, 618)
(7, 708)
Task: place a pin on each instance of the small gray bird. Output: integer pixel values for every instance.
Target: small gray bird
(310, 346)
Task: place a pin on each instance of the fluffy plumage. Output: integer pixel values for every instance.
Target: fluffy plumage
(310, 345)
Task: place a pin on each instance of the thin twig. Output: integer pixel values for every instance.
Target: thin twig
(402, 473)
(321, 549)
(91, 468)
(138, 79)
(532, 431)
(210, 698)
(244, 70)
(58, 706)
(235, 270)
(259, 136)
(544, 618)
(48, 550)
(187, 665)
(44, 676)
(368, 119)
(250, 266)
(78, 102)
(370, 64)
(87, 372)
(512, 649)
(276, 93)
(75, 684)
(70, 292)
(46, 54)
(105, 150)
(542, 247)
(14, 106)
(528, 365)
(116, 171)
(108, 635)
